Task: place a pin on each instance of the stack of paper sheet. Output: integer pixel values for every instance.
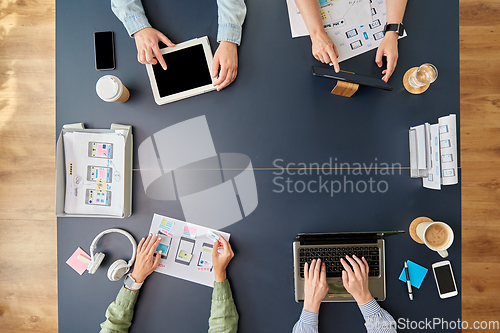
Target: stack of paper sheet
(94, 173)
(433, 153)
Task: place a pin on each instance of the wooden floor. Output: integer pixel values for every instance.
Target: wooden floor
(28, 271)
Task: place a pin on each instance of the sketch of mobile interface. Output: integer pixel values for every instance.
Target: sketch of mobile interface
(375, 24)
(100, 149)
(96, 172)
(351, 33)
(93, 197)
(378, 35)
(205, 259)
(356, 45)
(164, 245)
(185, 251)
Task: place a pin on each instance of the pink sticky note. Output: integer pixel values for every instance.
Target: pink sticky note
(76, 264)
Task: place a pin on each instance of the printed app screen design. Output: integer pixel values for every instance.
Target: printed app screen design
(96, 172)
(93, 197)
(185, 251)
(100, 149)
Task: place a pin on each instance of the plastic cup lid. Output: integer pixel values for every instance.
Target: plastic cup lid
(109, 88)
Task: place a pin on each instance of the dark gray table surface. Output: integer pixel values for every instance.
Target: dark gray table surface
(274, 110)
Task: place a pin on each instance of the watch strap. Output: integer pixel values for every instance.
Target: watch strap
(398, 27)
(131, 284)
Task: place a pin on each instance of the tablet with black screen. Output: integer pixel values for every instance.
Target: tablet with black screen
(188, 71)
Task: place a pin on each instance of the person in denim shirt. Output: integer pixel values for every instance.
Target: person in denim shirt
(231, 16)
(223, 314)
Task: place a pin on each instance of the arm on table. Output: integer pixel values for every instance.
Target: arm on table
(315, 289)
(307, 323)
(223, 314)
(323, 48)
(377, 320)
(355, 281)
(132, 15)
(231, 17)
(120, 313)
(389, 45)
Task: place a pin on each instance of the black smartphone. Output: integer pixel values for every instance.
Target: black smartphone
(350, 77)
(104, 50)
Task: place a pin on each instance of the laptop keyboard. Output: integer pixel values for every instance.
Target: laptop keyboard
(331, 257)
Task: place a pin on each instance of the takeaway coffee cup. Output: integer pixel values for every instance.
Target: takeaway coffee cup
(438, 236)
(111, 89)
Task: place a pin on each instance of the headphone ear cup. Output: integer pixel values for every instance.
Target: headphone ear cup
(117, 270)
(94, 264)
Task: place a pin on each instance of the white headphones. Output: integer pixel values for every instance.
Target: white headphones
(117, 269)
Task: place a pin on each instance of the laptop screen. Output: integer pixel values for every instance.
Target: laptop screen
(343, 237)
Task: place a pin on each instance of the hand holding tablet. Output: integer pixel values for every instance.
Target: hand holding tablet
(227, 57)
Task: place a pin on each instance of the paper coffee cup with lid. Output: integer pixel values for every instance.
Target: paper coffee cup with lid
(110, 89)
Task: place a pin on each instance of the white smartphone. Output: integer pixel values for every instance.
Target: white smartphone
(445, 280)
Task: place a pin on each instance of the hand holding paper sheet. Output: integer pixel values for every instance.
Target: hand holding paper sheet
(190, 247)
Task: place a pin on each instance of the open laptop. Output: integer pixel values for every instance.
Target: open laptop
(330, 247)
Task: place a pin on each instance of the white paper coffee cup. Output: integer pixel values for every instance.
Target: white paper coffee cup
(110, 89)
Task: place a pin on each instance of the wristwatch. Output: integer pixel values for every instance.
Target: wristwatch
(398, 27)
(131, 284)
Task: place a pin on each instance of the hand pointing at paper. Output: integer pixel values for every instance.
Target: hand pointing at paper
(324, 49)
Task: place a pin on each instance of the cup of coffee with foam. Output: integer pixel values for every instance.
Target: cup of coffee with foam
(438, 236)
(111, 89)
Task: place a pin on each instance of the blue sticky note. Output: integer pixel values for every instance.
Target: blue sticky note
(417, 274)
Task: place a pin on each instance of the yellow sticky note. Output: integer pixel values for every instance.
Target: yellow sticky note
(100, 186)
(207, 250)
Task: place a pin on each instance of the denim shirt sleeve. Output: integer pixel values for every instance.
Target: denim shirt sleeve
(231, 16)
(131, 13)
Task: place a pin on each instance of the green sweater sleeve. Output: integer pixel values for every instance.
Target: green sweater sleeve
(119, 313)
(223, 314)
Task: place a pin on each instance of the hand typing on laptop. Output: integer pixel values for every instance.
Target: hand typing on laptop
(315, 287)
(355, 280)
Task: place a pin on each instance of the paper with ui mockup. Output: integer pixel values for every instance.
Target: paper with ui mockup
(355, 26)
(417, 274)
(75, 263)
(94, 182)
(336, 14)
(187, 252)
